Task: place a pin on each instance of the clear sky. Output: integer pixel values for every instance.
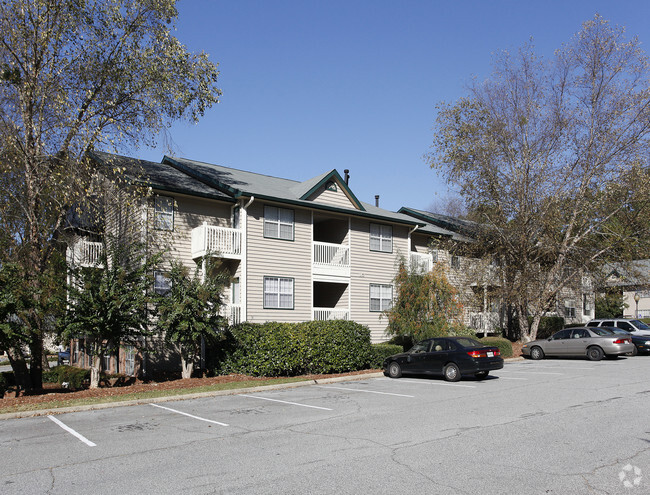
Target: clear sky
(313, 85)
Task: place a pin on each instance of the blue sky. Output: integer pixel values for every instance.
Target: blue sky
(313, 85)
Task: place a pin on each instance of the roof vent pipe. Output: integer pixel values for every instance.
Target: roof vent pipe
(377, 200)
(347, 176)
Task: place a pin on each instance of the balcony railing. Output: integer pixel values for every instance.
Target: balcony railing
(234, 314)
(487, 322)
(331, 259)
(85, 253)
(324, 314)
(421, 263)
(222, 242)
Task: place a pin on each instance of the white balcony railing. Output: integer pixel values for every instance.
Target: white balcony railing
(421, 263)
(85, 253)
(234, 312)
(487, 322)
(223, 242)
(331, 259)
(324, 314)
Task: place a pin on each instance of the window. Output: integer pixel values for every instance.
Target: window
(434, 255)
(106, 362)
(278, 293)
(129, 360)
(381, 297)
(455, 262)
(331, 186)
(562, 334)
(161, 284)
(278, 223)
(586, 304)
(163, 213)
(381, 238)
(570, 308)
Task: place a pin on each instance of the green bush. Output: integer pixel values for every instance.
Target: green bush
(382, 351)
(75, 377)
(290, 349)
(548, 325)
(504, 345)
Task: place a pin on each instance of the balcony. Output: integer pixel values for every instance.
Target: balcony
(324, 314)
(331, 260)
(85, 254)
(222, 242)
(420, 263)
(485, 322)
(233, 313)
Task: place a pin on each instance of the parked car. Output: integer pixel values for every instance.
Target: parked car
(451, 357)
(64, 357)
(580, 341)
(641, 343)
(635, 327)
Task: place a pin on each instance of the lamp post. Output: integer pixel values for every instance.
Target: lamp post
(637, 296)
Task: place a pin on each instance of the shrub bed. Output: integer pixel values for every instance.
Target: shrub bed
(382, 351)
(290, 349)
(74, 377)
(504, 345)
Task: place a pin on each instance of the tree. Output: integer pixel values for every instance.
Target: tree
(610, 304)
(427, 305)
(110, 304)
(189, 312)
(75, 76)
(550, 158)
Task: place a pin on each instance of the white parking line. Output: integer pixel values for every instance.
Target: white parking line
(72, 432)
(366, 391)
(189, 415)
(511, 378)
(440, 383)
(532, 372)
(286, 402)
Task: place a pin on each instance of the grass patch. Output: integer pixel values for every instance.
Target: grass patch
(151, 394)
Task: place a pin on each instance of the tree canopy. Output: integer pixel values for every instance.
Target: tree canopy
(77, 76)
(550, 157)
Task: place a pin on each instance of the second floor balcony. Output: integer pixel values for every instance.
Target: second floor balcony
(85, 253)
(221, 242)
(420, 263)
(331, 260)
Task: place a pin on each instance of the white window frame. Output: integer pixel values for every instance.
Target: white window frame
(129, 360)
(278, 292)
(381, 238)
(277, 224)
(382, 296)
(455, 262)
(163, 213)
(161, 283)
(570, 308)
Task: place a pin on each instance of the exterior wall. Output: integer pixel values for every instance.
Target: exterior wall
(644, 303)
(278, 258)
(371, 267)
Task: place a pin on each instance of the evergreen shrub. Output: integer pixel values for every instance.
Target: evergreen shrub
(504, 345)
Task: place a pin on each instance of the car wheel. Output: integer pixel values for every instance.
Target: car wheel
(481, 374)
(394, 370)
(452, 372)
(595, 353)
(537, 353)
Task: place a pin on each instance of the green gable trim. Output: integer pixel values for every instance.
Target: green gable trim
(334, 176)
(435, 221)
(220, 186)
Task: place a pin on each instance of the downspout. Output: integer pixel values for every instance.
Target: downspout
(243, 285)
(410, 244)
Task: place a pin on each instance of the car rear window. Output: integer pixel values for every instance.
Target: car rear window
(467, 342)
(601, 331)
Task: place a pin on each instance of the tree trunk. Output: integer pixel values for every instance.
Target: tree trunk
(522, 316)
(187, 366)
(36, 361)
(95, 369)
(19, 367)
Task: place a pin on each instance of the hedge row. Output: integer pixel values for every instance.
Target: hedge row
(290, 349)
(504, 345)
(74, 377)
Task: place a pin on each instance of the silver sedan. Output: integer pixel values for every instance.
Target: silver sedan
(591, 342)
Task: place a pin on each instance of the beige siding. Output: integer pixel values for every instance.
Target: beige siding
(332, 198)
(189, 213)
(278, 258)
(370, 267)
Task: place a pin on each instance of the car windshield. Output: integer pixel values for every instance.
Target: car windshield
(640, 325)
(467, 342)
(601, 331)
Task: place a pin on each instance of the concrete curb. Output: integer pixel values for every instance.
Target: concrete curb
(199, 395)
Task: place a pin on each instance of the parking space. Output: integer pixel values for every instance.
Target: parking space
(310, 426)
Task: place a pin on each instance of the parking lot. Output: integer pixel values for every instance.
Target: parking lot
(553, 426)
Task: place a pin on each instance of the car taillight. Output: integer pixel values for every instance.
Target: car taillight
(484, 353)
(622, 341)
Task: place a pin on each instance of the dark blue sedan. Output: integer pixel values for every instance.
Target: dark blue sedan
(451, 357)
